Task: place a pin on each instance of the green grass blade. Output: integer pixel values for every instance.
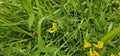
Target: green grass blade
(41, 43)
(111, 34)
(18, 29)
(30, 11)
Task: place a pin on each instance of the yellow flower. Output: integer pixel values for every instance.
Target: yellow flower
(99, 45)
(54, 26)
(118, 53)
(96, 53)
(112, 54)
(52, 30)
(93, 53)
(86, 44)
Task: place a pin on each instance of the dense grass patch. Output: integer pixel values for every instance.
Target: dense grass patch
(59, 27)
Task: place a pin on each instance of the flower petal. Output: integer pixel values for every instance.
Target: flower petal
(86, 44)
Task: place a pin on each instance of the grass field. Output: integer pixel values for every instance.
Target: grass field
(59, 27)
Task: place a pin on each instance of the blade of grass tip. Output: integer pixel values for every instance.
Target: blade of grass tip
(30, 11)
(41, 42)
(111, 34)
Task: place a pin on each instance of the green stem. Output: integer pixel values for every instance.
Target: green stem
(41, 43)
(111, 34)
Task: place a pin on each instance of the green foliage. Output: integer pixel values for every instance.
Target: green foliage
(110, 35)
(30, 11)
(25, 24)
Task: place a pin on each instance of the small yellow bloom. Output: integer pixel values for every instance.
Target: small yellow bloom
(112, 54)
(86, 44)
(93, 53)
(118, 53)
(96, 53)
(54, 26)
(99, 45)
(52, 30)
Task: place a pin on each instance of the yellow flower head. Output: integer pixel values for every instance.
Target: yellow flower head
(52, 30)
(86, 44)
(112, 54)
(96, 53)
(99, 45)
(54, 26)
(93, 53)
(118, 53)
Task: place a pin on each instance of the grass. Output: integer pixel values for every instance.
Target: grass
(25, 25)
